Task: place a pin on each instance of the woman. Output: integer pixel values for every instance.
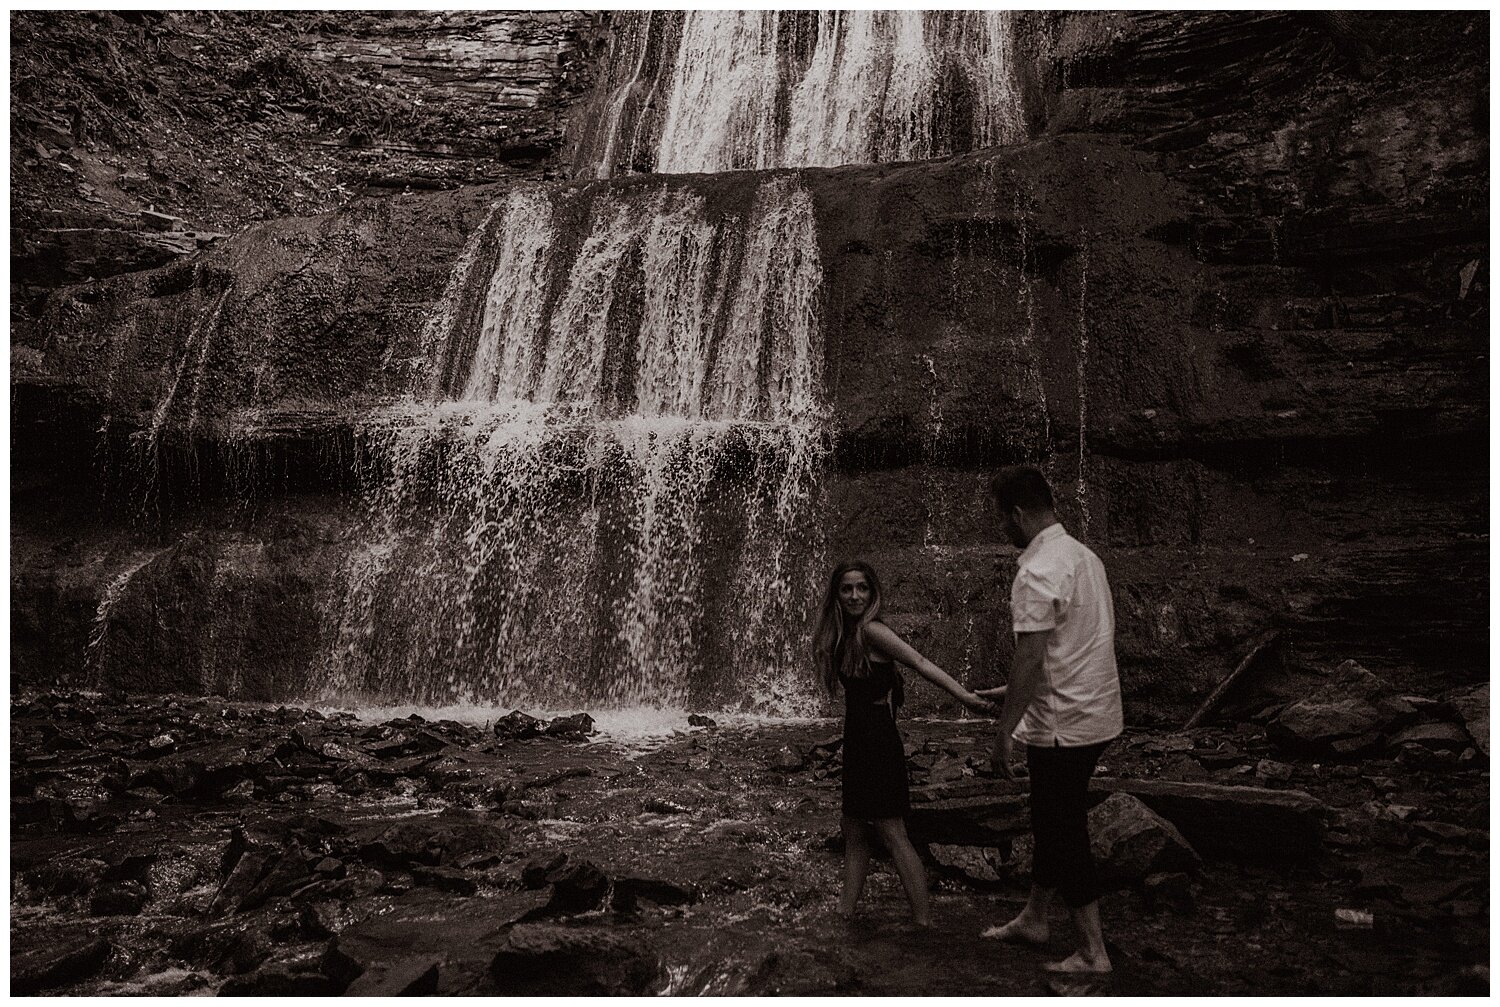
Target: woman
(855, 650)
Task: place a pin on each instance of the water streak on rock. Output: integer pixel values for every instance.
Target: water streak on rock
(194, 357)
(113, 592)
(1083, 387)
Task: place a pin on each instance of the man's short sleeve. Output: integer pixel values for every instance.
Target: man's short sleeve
(1034, 603)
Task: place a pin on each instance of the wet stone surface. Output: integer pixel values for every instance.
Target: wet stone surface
(170, 846)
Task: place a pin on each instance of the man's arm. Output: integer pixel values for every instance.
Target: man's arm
(1025, 679)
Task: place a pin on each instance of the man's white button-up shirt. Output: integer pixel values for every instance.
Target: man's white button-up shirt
(1060, 586)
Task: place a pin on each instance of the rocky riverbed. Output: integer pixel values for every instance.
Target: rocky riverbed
(191, 845)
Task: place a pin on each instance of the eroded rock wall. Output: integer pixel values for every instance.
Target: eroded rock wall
(216, 119)
(1233, 298)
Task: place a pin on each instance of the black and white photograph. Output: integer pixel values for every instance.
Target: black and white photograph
(664, 502)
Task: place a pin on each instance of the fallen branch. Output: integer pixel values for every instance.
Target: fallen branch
(1216, 698)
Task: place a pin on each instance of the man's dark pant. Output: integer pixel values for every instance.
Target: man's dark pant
(1059, 820)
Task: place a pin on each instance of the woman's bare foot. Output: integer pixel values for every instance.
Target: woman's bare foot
(1020, 930)
(1077, 964)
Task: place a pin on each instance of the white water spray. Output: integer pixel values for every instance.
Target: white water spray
(602, 506)
(757, 89)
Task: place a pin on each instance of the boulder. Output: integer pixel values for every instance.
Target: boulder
(987, 819)
(246, 874)
(572, 728)
(1172, 890)
(401, 977)
(235, 946)
(979, 864)
(447, 879)
(787, 760)
(1473, 706)
(59, 876)
(1441, 737)
(299, 977)
(460, 936)
(1252, 824)
(1447, 832)
(516, 724)
(1223, 756)
(1273, 771)
(118, 898)
(291, 869)
(547, 960)
(1343, 708)
(1130, 841)
(204, 771)
(430, 843)
(534, 872)
(1360, 744)
(628, 893)
(577, 886)
(57, 964)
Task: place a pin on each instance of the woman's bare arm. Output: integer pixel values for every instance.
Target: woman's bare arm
(887, 642)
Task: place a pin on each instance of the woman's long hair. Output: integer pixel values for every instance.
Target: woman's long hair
(839, 642)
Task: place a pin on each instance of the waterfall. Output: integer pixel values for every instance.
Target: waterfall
(602, 491)
(603, 486)
(727, 90)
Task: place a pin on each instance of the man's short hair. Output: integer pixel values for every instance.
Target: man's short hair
(1021, 486)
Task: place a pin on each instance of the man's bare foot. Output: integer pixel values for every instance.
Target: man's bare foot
(1019, 931)
(1077, 964)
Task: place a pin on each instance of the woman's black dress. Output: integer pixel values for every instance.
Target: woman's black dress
(874, 757)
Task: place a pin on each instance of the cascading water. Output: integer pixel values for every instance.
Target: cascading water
(602, 488)
(602, 494)
(727, 90)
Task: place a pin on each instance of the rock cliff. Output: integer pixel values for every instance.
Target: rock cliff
(1233, 295)
(216, 119)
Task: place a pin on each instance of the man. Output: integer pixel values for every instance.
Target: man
(1062, 702)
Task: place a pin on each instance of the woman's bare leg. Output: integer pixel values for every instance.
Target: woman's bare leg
(892, 832)
(857, 851)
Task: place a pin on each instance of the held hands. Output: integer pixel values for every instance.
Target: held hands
(976, 702)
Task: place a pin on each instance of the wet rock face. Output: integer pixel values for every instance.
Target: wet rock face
(1227, 297)
(217, 119)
